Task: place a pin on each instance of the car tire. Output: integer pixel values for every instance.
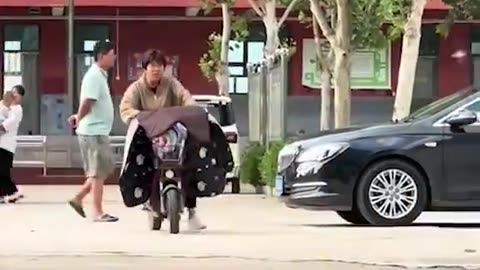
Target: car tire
(375, 193)
(353, 217)
(235, 185)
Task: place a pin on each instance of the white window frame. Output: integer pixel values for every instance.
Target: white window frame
(233, 78)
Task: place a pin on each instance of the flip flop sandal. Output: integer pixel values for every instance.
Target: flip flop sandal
(78, 208)
(106, 218)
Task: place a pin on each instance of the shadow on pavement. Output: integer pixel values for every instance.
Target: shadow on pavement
(424, 224)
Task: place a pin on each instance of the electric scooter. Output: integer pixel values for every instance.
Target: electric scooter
(167, 200)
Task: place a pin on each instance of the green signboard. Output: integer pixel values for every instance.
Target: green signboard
(371, 68)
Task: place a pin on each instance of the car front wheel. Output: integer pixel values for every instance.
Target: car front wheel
(392, 193)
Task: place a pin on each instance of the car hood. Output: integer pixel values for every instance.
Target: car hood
(351, 133)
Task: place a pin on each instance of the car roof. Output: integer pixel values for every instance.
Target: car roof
(212, 99)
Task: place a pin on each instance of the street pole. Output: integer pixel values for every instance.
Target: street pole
(264, 108)
(71, 71)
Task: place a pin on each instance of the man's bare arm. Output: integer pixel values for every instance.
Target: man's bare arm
(85, 108)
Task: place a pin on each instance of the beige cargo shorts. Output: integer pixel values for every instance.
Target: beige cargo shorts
(97, 156)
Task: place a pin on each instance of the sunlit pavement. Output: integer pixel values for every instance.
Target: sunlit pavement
(245, 231)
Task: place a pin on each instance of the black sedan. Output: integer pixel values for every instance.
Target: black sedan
(388, 174)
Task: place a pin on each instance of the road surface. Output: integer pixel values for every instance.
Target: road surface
(244, 231)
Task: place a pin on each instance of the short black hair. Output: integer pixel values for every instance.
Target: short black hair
(19, 89)
(102, 47)
(153, 56)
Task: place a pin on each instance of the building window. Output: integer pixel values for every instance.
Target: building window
(475, 52)
(241, 54)
(21, 37)
(430, 41)
(12, 64)
(426, 77)
(86, 36)
(20, 66)
(18, 39)
(250, 51)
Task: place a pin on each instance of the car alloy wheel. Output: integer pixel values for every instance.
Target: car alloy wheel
(393, 194)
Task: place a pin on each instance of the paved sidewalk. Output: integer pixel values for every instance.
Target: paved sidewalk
(240, 227)
(127, 263)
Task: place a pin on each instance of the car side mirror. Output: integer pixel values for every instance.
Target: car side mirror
(462, 118)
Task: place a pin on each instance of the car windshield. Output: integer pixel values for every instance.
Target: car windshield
(439, 105)
(223, 113)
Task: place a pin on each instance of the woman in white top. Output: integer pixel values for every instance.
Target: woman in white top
(8, 130)
(5, 104)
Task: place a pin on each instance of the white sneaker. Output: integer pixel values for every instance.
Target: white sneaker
(194, 223)
(18, 196)
(9, 199)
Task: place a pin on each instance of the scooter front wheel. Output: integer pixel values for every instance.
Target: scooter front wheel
(173, 210)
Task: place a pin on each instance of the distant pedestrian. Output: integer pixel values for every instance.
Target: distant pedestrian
(5, 104)
(93, 123)
(9, 192)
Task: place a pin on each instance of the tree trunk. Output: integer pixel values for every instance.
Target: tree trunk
(323, 65)
(342, 98)
(222, 76)
(408, 63)
(223, 83)
(342, 49)
(271, 27)
(325, 120)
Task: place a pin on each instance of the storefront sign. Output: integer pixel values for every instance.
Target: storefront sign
(135, 66)
(371, 68)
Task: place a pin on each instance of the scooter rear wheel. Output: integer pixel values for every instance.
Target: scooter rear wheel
(173, 206)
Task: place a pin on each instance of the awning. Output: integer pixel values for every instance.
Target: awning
(436, 5)
(110, 3)
(431, 4)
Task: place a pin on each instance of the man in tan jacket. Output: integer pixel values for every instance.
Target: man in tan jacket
(154, 90)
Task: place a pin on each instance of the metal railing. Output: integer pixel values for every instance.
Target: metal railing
(33, 142)
(117, 144)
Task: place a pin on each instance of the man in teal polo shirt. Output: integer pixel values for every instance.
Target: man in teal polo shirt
(93, 123)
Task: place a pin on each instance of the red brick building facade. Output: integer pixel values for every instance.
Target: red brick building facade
(38, 29)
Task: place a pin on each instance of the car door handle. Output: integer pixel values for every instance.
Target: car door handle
(431, 144)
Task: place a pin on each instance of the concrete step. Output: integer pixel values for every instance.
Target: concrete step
(55, 176)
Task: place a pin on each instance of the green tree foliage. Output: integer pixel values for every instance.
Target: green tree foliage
(374, 22)
(210, 63)
(397, 11)
(461, 10)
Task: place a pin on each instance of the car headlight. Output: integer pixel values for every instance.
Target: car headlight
(322, 152)
(289, 149)
(286, 156)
